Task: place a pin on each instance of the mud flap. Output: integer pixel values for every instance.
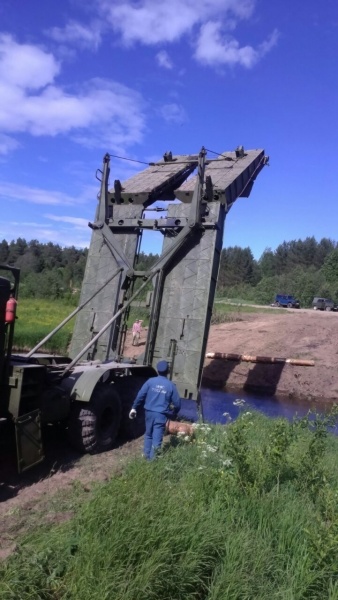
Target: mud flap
(29, 446)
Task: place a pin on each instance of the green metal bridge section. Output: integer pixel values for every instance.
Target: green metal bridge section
(184, 277)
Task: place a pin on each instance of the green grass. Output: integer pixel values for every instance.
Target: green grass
(226, 312)
(37, 318)
(243, 512)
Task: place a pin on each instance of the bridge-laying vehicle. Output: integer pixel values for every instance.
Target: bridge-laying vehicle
(92, 390)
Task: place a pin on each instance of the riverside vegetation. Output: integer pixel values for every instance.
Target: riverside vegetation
(244, 511)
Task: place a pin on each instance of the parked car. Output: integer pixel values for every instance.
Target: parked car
(287, 301)
(323, 304)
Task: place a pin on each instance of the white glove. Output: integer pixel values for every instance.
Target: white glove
(132, 413)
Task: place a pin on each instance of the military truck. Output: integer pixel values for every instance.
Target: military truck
(92, 389)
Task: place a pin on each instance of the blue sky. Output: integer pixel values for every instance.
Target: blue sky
(139, 77)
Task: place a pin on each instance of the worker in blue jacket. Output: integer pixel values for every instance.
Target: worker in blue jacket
(160, 399)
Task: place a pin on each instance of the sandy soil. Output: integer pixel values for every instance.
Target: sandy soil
(283, 333)
(286, 333)
(44, 494)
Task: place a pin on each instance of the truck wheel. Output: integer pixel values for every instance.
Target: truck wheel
(127, 389)
(289, 305)
(93, 426)
(328, 308)
(277, 304)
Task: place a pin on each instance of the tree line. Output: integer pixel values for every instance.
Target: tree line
(304, 268)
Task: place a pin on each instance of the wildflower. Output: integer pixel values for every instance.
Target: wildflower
(227, 462)
(180, 433)
(247, 414)
(211, 448)
(205, 428)
(186, 438)
(239, 402)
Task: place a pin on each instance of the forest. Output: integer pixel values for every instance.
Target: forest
(304, 268)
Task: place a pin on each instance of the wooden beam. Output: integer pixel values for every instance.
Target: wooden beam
(260, 359)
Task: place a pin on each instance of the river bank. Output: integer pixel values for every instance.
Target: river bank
(305, 334)
(285, 333)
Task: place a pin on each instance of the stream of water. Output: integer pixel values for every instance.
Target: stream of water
(217, 402)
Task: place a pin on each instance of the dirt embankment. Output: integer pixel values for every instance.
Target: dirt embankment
(305, 334)
(284, 333)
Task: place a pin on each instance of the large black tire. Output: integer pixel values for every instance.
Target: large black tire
(127, 389)
(93, 426)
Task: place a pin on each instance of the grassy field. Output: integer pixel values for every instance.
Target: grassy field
(36, 318)
(246, 511)
(227, 311)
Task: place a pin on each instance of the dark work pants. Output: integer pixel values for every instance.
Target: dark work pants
(155, 427)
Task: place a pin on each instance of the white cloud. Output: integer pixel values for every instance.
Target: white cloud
(22, 193)
(269, 43)
(173, 113)
(210, 22)
(78, 222)
(215, 49)
(44, 232)
(100, 114)
(76, 34)
(7, 144)
(164, 59)
(24, 66)
(153, 22)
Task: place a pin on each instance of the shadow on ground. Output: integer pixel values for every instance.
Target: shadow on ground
(60, 457)
(253, 377)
